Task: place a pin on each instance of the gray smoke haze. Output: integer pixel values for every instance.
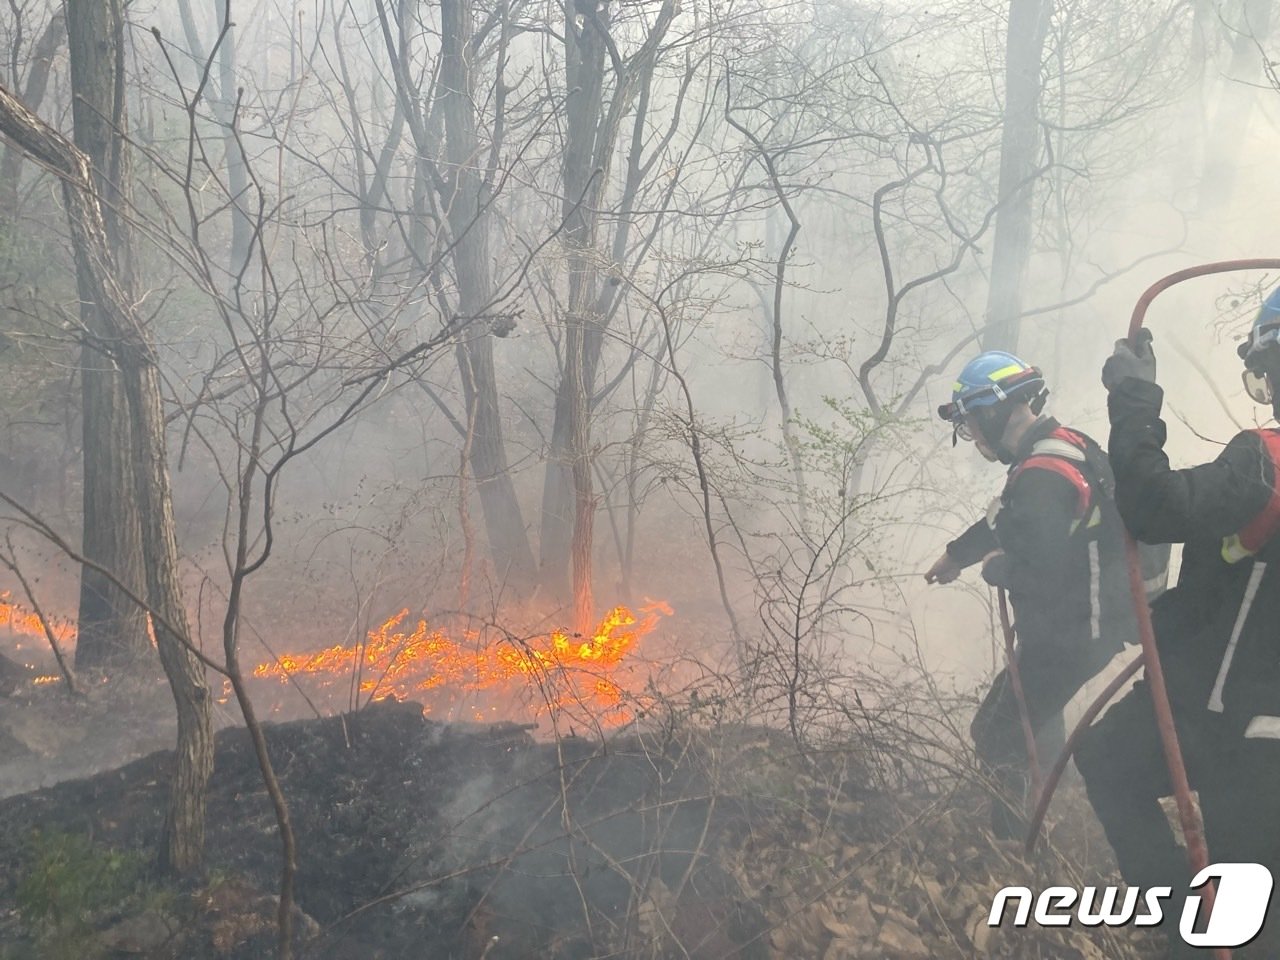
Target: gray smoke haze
(879, 127)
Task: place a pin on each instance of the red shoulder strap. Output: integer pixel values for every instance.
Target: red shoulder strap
(1069, 436)
(1063, 468)
(1262, 527)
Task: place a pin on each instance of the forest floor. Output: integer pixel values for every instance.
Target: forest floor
(423, 840)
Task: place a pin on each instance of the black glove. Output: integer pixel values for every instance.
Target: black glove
(1129, 360)
(996, 569)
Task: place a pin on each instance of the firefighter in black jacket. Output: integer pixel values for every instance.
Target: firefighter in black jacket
(1217, 632)
(1047, 539)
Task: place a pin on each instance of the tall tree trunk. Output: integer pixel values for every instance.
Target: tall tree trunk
(95, 267)
(1019, 153)
(468, 217)
(592, 125)
(224, 108)
(567, 492)
(237, 171)
(1235, 105)
(583, 492)
(633, 468)
(503, 519)
(556, 530)
(182, 848)
(138, 497)
(111, 627)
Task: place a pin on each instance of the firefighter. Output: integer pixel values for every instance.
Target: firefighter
(1046, 539)
(1217, 632)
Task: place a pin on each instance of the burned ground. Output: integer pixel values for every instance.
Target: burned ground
(418, 839)
(464, 832)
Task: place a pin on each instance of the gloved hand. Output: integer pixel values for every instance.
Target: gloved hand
(944, 570)
(996, 569)
(1137, 361)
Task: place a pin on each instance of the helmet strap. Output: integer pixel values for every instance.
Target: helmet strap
(992, 422)
(1266, 362)
(1037, 402)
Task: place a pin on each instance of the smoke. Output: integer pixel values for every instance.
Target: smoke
(882, 129)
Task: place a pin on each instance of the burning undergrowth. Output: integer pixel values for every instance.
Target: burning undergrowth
(487, 674)
(32, 633)
(553, 681)
(597, 679)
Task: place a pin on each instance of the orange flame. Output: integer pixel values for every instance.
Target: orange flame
(563, 671)
(26, 622)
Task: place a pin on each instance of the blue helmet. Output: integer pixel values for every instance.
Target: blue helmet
(1265, 330)
(990, 379)
(1261, 359)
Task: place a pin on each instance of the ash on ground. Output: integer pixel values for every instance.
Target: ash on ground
(418, 839)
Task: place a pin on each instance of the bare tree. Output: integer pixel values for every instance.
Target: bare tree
(1249, 30)
(463, 190)
(131, 352)
(225, 107)
(304, 350)
(1020, 149)
(466, 193)
(774, 304)
(592, 124)
(111, 626)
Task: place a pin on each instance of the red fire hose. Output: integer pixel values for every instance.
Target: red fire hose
(1197, 852)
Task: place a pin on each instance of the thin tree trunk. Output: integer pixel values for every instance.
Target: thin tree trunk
(1235, 105)
(633, 469)
(464, 515)
(241, 569)
(583, 492)
(503, 519)
(184, 821)
(112, 629)
(469, 224)
(224, 108)
(1019, 153)
(183, 847)
(567, 493)
(774, 307)
(556, 529)
(237, 172)
(592, 125)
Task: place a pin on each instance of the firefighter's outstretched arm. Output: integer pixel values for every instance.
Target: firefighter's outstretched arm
(974, 544)
(965, 550)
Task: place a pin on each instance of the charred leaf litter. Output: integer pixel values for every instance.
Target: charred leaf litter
(418, 839)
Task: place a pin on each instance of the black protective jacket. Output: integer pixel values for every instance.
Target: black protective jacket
(1046, 563)
(1218, 630)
